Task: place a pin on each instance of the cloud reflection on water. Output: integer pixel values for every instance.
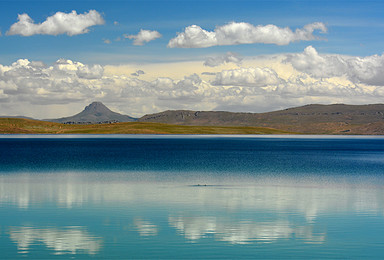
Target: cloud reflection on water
(195, 212)
(68, 240)
(308, 199)
(242, 232)
(145, 228)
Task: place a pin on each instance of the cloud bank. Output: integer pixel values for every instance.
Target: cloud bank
(59, 23)
(312, 78)
(367, 70)
(243, 33)
(144, 36)
(252, 77)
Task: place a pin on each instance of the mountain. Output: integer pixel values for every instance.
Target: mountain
(358, 114)
(96, 112)
(309, 119)
(336, 118)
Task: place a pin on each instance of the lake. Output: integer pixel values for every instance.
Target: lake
(144, 196)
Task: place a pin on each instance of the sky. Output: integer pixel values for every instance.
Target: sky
(142, 57)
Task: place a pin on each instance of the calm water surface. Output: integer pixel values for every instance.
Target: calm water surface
(191, 197)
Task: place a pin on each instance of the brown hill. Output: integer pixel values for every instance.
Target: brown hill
(314, 119)
(309, 119)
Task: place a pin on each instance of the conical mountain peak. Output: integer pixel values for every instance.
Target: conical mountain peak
(97, 107)
(96, 112)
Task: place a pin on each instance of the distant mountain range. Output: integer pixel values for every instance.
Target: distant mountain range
(359, 114)
(309, 119)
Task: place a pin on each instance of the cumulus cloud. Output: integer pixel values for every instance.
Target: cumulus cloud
(64, 81)
(190, 88)
(368, 70)
(59, 23)
(90, 72)
(316, 65)
(144, 36)
(229, 57)
(26, 84)
(252, 77)
(107, 41)
(243, 33)
(67, 67)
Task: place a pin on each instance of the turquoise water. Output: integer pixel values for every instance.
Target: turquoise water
(191, 197)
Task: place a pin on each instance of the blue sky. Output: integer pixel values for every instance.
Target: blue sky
(338, 61)
(355, 27)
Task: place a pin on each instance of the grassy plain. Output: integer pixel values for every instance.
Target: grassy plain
(27, 126)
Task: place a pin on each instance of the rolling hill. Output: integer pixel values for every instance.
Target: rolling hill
(309, 119)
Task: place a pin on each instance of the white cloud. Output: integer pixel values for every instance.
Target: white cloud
(229, 57)
(252, 77)
(65, 68)
(90, 72)
(32, 88)
(107, 41)
(367, 70)
(243, 33)
(316, 65)
(63, 82)
(59, 23)
(144, 36)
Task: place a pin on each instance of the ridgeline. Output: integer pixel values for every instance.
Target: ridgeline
(310, 119)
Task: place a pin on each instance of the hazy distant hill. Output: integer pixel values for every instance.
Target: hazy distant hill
(337, 118)
(309, 119)
(23, 117)
(358, 114)
(96, 112)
